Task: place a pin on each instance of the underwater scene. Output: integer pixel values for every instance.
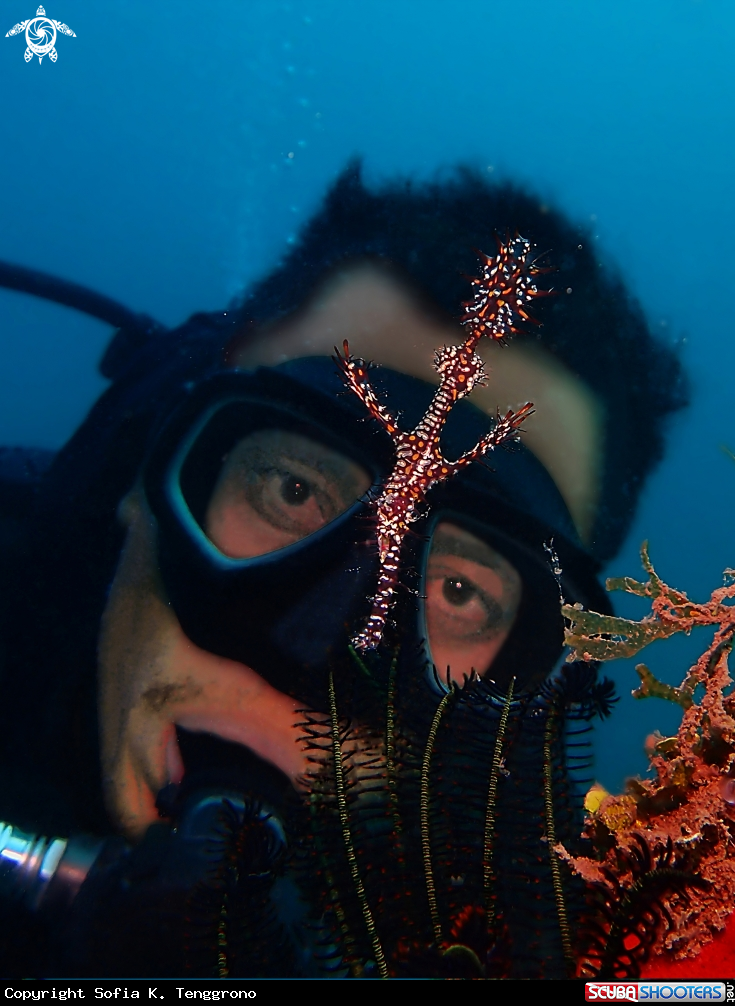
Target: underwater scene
(366, 457)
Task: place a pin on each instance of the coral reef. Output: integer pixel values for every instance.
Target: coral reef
(661, 876)
(504, 290)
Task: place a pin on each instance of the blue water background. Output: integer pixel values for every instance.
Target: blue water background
(174, 149)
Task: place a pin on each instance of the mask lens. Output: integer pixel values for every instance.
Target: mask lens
(472, 598)
(274, 488)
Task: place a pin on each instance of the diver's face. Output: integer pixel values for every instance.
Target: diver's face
(278, 486)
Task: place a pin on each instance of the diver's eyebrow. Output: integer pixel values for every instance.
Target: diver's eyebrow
(339, 471)
(319, 457)
(332, 466)
(446, 543)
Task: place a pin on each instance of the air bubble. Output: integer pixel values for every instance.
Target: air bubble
(727, 791)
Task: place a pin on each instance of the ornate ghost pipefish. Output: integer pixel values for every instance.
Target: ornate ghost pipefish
(504, 290)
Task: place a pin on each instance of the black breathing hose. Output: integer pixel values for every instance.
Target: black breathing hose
(81, 298)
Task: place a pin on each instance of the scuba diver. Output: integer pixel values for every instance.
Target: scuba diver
(199, 773)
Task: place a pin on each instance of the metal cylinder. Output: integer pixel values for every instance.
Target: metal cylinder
(43, 872)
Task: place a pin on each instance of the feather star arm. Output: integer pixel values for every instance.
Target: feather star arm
(504, 291)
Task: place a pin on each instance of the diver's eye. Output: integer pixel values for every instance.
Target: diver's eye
(295, 491)
(291, 497)
(276, 487)
(458, 592)
(462, 601)
(472, 597)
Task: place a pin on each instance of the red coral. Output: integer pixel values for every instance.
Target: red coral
(690, 804)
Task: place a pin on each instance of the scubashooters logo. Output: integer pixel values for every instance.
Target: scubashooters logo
(686, 991)
(40, 35)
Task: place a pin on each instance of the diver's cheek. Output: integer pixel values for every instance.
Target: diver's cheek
(152, 678)
(137, 637)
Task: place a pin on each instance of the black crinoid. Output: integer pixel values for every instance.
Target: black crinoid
(426, 841)
(628, 911)
(233, 928)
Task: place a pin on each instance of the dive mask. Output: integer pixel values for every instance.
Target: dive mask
(261, 485)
